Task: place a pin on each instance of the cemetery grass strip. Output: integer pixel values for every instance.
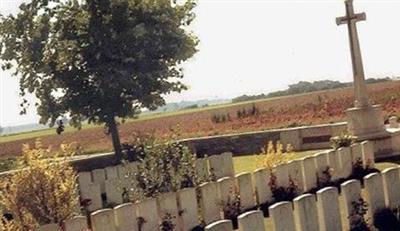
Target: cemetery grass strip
(249, 163)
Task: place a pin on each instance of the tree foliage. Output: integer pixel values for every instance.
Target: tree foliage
(97, 60)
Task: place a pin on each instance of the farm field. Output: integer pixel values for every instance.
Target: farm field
(305, 109)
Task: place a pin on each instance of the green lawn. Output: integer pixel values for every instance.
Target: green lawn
(249, 163)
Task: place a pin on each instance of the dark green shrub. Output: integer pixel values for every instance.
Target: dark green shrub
(167, 167)
(232, 208)
(357, 220)
(325, 180)
(359, 172)
(280, 193)
(387, 220)
(135, 150)
(164, 166)
(167, 223)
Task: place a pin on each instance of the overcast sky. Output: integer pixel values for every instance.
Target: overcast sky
(258, 46)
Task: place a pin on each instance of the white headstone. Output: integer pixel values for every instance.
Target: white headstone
(305, 213)
(202, 168)
(391, 185)
(93, 193)
(251, 221)
(356, 153)
(168, 207)
(222, 225)
(111, 172)
(187, 199)
(310, 173)
(333, 162)
(50, 227)
(245, 184)
(374, 194)
(328, 209)
(368, 154)
(282, 175)
(113, 191)
(261, 178)
(296, 173)
(209, 202)
(351, 192)
(321, 164)
(99, 177)
(84, 178)
(226, 188)
(216, 163)
(281, 215)
(148, 214)
(76, 224)
(125, 217)
(227, 163)
(103, 220)
(345, 163)
(123, 175)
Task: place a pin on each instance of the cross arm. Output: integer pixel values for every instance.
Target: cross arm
(355, 17)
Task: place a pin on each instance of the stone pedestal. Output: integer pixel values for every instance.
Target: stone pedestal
(366, 122)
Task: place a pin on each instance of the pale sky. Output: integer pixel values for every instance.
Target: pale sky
(259, 46)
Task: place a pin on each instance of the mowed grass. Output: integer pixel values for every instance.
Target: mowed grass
(249, 164)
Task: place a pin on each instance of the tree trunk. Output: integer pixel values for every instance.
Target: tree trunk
(112, 125)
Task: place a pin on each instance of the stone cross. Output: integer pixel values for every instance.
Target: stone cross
(360, 87)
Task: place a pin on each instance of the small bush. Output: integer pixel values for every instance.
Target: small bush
(135, 150)
(359, 172)
(167, 223)
(167, 166)
(326, 179)
(44, 192)
(244, 113)
(7, 164)
(280, 193)
(221, 118)
(344, 140)
(232, 208)
(357, 220)
(273, 155)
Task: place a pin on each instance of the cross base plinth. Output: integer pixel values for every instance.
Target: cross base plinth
(366, 122)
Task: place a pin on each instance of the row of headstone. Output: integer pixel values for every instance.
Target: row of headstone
(249, 221)
(330, 165)
(306, 212)
(322, 212)
(253, 189)
(111, 181)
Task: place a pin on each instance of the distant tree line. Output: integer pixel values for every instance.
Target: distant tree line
(305, 87)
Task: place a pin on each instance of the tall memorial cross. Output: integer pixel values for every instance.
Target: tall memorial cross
(360, 87)
(364, 120)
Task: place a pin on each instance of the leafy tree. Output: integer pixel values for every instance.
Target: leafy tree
(99, 61)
